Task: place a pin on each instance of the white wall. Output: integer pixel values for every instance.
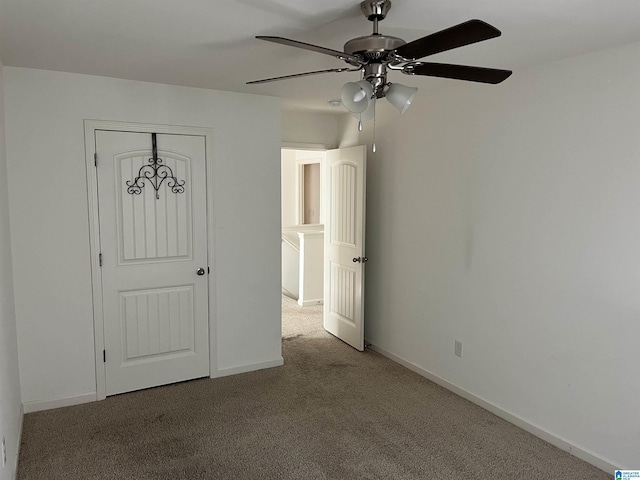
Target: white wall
(289, 192)
(290, 266)
(10, 401)
(311, 291)
(508, 217)
(45, 154)
(348, 134)
(312, 128)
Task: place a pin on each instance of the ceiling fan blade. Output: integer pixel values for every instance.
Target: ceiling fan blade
(305, 74)
(453, 37)
(352, 59)
(458, 72)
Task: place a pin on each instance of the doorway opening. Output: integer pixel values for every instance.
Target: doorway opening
(323, 218)
(302, 240)
(303, 225)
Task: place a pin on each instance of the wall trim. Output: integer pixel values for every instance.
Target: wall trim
(290, 243)
(311, 234)
(17, 458)
(225, 372)
(30, 407)
(303, 146)
(310, 303)
(549, 437)
(289, 294)
(311, 228)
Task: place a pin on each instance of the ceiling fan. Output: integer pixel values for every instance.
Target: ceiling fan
(374, 55)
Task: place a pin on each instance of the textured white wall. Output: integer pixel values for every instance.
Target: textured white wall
(10, 402)
(508, 217)
(45, 154)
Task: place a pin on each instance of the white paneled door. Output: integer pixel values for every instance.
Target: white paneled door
(344, 245)
(153, 245)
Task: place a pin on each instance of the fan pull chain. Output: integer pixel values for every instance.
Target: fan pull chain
(360, 123)
(373, 147)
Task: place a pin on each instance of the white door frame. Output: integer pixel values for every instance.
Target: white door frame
(94, 233)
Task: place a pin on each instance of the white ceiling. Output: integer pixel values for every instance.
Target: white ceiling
(211, 44)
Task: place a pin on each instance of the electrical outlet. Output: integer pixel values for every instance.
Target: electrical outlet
(457, 350)
(4, 452)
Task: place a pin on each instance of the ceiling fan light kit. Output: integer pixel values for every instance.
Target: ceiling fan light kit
(374, 55)
(356, 96)
(400, 96)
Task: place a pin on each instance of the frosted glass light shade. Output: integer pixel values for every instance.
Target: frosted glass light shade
(356, 96)
(400, 96)
(368, 114)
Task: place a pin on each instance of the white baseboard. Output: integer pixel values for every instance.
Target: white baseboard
(15, 460)
(309, 303)
(289, 294)
(549, 437)
(225, 372)
(30, 407)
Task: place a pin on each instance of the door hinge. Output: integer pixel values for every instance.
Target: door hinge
(104, 356)
(95, 159)
(100, 259)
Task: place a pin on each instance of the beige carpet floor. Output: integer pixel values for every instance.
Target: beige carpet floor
(329, 413)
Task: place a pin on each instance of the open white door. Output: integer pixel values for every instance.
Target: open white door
(344, 244)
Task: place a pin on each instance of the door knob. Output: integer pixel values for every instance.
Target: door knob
(200, 271)
(360, 259)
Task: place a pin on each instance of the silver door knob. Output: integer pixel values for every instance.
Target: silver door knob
(200, 271)
(360, 259)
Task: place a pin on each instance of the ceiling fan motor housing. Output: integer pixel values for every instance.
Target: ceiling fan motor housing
(373, 47)
(376, 50)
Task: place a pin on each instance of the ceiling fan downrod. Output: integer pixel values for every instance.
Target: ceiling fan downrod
(375, 10)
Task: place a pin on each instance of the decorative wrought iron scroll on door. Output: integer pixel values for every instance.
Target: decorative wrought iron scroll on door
(156, 173)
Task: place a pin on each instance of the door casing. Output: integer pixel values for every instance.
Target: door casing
(94, 233)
